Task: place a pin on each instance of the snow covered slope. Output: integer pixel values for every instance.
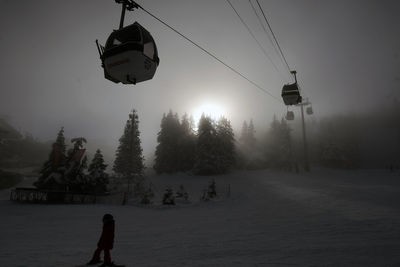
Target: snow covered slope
(326, 218)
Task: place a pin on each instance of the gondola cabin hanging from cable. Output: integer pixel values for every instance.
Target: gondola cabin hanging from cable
(291, 93)
(309, 110)
(290, 115)
(130, 55)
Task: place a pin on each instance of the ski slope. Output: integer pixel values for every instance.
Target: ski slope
(325, 218)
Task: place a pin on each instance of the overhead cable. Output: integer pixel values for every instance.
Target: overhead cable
(265, 30)
(210, 54)
(273, 35)
(255, 39)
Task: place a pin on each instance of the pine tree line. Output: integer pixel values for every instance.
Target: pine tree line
(69, 171)
(176, 144)
(210, 150)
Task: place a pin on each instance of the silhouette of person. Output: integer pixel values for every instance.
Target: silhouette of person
(105, 243)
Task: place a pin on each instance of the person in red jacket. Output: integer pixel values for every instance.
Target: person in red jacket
(105, 243)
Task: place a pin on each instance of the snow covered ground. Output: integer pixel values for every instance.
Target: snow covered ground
(325, 218)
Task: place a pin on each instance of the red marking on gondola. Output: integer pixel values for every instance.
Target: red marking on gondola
(117, 63)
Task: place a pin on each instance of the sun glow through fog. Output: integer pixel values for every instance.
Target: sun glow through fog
(209, 109)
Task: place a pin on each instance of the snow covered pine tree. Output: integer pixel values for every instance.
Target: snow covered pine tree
(98, 176)
(129, 161)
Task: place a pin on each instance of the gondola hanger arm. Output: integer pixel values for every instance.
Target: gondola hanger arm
(294, 74)
(129, 5)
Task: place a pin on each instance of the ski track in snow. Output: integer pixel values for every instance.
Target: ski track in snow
(325, 218)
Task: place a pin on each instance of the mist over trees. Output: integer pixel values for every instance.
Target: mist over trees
(272, 149)
(278, 148)
(337, 141)
(364, 140)
(249, 153)
(346, 141)
(349, 141)
(247, 138)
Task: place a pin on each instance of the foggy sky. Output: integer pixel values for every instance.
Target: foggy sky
(346, 53)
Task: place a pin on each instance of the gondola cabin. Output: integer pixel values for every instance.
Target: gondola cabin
(130, 55)
(309, 110)
(290, 115)
(291, 94)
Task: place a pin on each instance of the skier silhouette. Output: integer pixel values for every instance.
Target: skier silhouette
(105, 243)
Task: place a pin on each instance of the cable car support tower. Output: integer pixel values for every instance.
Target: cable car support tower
(305, 145)
(302, 102)
(291, 94)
